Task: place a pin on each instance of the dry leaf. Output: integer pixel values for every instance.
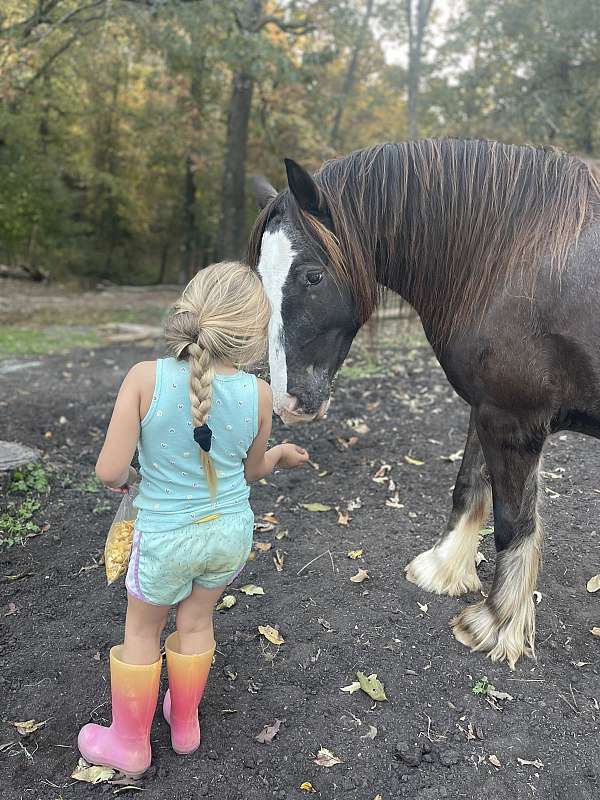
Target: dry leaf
(423, 606)
(262, 546)
(371, 734)
(278, 560)
(281, 534)
(251, 589)
(343, 517)
(272, 634)
(228, 601)
(495, 761)
(355, 504)
(270, 517)
(453, 456)
(269, 732)
(307, 787)
(381, 474)
(361, 575)
(394, 501)
(371, 685)
(264, 526)
(595, 631)
(593, 585)
(84, 772)
(415, 461)
(524, 762)
(325, 758)
(315, 507)
(28, 727)
(346, 443)
(351, 688)
(355, 553)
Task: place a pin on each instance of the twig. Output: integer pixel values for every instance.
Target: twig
(569, 704)
(316, 558)
(332, 565)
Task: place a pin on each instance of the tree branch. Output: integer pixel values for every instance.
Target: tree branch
(300, 28)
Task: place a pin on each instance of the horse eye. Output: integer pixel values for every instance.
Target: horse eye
(313, 277)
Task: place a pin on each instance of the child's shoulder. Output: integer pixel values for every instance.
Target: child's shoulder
(265, 393)
(141, 375)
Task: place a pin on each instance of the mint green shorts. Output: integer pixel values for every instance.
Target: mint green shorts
(165, 566)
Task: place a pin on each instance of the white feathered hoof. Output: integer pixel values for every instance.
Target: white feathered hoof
(436, 572)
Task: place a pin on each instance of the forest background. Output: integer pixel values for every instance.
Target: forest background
(129, 128)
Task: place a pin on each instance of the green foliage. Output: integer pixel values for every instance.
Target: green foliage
(482, 686)
(91, 485)
(30, 478)
(16, 340)
(16, 523)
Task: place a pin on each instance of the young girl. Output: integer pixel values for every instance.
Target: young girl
(201, 427)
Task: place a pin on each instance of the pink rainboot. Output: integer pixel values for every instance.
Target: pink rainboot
(187, 679)
(125, 746)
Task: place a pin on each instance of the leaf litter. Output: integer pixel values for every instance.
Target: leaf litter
(325, 758)
(269, 732)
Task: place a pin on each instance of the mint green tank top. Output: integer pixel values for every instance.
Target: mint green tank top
(174, 491)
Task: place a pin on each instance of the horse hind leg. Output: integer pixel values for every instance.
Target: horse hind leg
(503, 625)
(449, 567)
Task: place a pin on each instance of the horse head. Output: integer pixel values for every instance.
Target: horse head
(314, 319)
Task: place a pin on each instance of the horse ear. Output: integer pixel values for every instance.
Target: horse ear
(262, 190)
(304, 189)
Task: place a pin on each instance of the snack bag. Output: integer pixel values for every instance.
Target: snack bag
(120, 537)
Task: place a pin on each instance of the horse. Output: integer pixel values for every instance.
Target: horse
(497, 248)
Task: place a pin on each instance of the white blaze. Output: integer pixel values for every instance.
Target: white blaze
(276, 256)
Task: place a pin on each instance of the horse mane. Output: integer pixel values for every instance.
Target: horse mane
(445, 222)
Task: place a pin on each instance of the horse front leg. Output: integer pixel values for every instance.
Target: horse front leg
(503, 625)
(449, 567)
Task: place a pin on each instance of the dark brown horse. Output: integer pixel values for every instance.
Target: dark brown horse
(498, 249)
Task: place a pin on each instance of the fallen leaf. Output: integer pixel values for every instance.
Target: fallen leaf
(89, 774)
(593, 585)
(371, 685)
(325, 758)
(551, 492)
(307, 787)
(453, 456)
(355, 553)
(381, 474)
(361, 575)
(423, 606)
(346, 443)
(281, 535)
(351, 688)
(264, 526)
(355, 504)
(270, 517)
(251, 589)
(595, 631)
(394, 501)
(278, 560)
(272, 634)
(269, 732)
(343, 517)
(127, 787)
(227, 601)
(325, 624)
(96, 656)
(262, 546)
(28, 727)
(537, 596)
(371, 734)
(524, 762)
(315, 507)
(495, 761)
(415, 461)
(498, 695)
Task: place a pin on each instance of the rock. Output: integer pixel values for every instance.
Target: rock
(449, 757)
(411, 755)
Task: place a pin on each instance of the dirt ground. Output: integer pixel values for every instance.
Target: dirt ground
(434, 738)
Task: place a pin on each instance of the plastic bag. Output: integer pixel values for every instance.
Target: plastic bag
(120, 538)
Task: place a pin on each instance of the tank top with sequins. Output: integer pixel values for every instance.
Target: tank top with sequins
(174, 491)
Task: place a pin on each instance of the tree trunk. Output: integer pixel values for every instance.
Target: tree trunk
(334, 138)
(189, 222)
(417, 14)
(233, 197)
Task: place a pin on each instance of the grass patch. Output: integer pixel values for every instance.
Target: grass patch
(90, 485)
(16, 523)
(367, 369)
(30, 478)
(23, 341)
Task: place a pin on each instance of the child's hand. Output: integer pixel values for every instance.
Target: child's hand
(292, 456)
(132, 478)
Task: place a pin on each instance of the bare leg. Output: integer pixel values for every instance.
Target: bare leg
(449, 566)
(144, 624)
(195, 620)
(504, 624)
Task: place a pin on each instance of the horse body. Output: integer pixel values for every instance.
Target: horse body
(498, 250)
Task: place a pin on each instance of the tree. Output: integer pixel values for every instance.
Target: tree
(417, 15)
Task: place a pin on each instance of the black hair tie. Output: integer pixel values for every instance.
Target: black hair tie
(203, 437)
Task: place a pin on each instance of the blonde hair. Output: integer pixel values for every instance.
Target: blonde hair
(223, 313)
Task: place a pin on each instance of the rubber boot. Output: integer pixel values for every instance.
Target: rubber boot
(125, 746)
(187, 679)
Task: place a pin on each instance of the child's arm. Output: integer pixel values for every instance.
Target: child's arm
(261, 462)
(113, 467)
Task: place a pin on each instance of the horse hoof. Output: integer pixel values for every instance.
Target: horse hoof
(477, 627)
(434, 572)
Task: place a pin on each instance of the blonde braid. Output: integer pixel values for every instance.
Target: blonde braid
(201, 377)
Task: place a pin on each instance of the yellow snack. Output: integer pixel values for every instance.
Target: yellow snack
(118, 549)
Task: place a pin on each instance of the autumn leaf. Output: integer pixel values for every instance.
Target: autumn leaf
(453, 456)
(269, 732)
(593, 585)
(89, 774)
(325, 758)
(595, 631)
(351, 688)
(415, 461)
(423, 606)
(361, 575)
(355, 553)
(281, 535)
(251, 589)
(372, 686)
(381, 474)
(278, 560)
(536, 763)
(262, 546)
(270, 517)
(315, 507)
(343, 517)
(228, 601)
(307, 787)
(28, 727)
(495, 761)
(272, 634)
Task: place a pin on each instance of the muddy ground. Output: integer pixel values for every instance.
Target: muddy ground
(434, 737)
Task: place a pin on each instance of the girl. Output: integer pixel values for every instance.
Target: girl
(201, 427)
